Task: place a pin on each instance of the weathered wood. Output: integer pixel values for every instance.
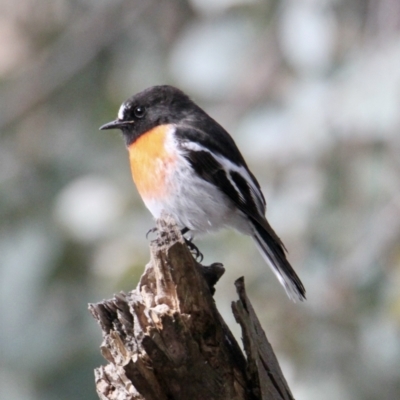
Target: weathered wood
(166, 339)
(263, 368)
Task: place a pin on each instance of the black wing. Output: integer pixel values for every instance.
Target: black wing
(240, 186)
(216, 158)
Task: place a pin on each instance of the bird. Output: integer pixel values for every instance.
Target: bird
(184, 163)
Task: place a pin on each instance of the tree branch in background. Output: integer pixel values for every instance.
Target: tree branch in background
(167, 340)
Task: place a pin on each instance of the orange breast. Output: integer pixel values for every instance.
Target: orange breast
(151, 162)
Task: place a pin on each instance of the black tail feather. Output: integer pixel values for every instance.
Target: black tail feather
(273, 251)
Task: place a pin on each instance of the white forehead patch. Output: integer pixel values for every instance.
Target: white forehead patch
(121, 111)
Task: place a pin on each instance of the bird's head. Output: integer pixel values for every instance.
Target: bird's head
(157, 105)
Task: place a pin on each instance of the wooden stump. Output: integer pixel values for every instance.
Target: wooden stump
(167, 340)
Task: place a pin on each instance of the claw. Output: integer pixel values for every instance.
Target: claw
(192, 247)
(152, 230)
(194, 250)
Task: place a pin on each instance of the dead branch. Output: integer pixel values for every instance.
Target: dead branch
(167, 340)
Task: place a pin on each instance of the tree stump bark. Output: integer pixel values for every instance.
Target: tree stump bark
(166, 339)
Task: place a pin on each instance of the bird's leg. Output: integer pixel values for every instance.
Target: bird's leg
(192, 247)
(184, 230)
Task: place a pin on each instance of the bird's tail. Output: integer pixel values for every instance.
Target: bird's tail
(273, 252)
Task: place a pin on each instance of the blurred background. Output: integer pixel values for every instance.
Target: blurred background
(310, 91)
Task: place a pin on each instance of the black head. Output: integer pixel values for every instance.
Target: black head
(157, 105)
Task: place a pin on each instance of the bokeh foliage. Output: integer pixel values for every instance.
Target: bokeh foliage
(309, 89)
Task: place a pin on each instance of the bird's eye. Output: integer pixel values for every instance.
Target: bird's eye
(139, 112)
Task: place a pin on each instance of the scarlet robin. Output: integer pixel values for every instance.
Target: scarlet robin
(185, 163)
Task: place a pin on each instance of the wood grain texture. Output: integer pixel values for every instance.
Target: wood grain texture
(166, 340)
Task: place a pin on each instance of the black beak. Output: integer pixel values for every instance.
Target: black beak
(117, 124)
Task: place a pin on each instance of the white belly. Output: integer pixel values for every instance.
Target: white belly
(197, 204)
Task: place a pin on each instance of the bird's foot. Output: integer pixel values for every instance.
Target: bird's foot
(194, 250)
(211, 273)
(192, 247)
